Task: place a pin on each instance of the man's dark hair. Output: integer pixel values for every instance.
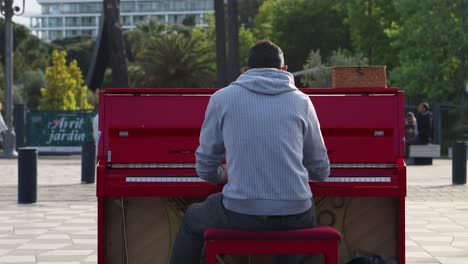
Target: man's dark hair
(265, 54)
(425, 105)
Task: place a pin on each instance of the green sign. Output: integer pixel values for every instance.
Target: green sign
(58, 131)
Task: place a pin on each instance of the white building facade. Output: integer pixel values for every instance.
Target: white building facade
(67, 18)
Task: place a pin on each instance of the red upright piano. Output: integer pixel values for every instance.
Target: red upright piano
(146, 176)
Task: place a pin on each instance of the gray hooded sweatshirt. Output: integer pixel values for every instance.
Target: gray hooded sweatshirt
(270, 135)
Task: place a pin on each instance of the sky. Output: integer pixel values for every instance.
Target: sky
(32, 8)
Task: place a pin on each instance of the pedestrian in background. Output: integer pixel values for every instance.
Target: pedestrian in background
(424, 122)
(411, 132)
(411, 128)
(3, 126)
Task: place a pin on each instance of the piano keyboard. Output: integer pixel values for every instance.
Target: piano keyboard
(197, 179)
(192, 165)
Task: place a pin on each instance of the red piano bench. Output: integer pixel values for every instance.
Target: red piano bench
(318, 240)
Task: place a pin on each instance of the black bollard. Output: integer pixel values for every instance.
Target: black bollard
(27, 175)
(19, 115)
(459, 163)
(88, 162)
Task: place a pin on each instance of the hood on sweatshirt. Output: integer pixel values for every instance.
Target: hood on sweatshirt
(268, 81)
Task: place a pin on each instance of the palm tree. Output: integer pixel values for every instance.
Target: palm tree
(137, 38)
(174, 59)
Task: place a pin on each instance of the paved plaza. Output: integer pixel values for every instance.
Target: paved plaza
(61, 226)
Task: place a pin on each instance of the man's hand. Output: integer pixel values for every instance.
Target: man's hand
(224, 177)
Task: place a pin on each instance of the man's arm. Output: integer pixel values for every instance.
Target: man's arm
(315, 153)
(211, 151)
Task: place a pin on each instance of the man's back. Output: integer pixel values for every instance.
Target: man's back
(269, 133)
(273, 143)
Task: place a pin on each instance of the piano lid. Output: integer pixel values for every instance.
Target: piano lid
(151, 126)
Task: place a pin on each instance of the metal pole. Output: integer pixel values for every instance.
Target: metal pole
(463, 64)
(220, 25)
(9, 135)
(19, 113)
(88, 162)
(233, 41)
(459, 163)
(436, 123)
(27, 175)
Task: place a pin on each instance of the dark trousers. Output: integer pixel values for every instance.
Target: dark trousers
(212, 213)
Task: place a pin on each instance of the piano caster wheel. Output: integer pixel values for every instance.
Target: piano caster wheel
(326, 218)
(338, 202)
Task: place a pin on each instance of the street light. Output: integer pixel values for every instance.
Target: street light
(8, 10)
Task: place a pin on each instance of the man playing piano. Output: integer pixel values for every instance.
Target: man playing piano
(269, 132)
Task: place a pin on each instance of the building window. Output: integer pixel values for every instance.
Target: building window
(88, 21)
(53, 34)
(140, 19)
(90, 8)
(176, 19)
(45, 9)
(54, 9)
(144, 6)
(126, 20)
(54, 22)
(70, 8)
(127, 6)
(71, 33)
(72, 21)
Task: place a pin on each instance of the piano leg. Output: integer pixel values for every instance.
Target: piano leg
(402, 255)
(100, 229)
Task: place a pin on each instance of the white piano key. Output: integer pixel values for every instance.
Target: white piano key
(197, 179)
(358, 179)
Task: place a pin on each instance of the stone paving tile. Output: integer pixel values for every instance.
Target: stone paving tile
(453, 260)
(50, 170)
(61, 227)
(18, 259)
(49, 240)
(72, 262)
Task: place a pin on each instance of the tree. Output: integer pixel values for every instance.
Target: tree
(429, 39)
(136, 40)
(65, 88)
(246, 41)
(370, 22)
(189, 21)
(319, 73)
(31, 54)
(78, 48)
(29, 51)
(299, 26)
(248, 9)
(168, 55)
(31, 83)
(176, 60)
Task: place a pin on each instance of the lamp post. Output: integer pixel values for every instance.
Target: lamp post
(8, 10)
